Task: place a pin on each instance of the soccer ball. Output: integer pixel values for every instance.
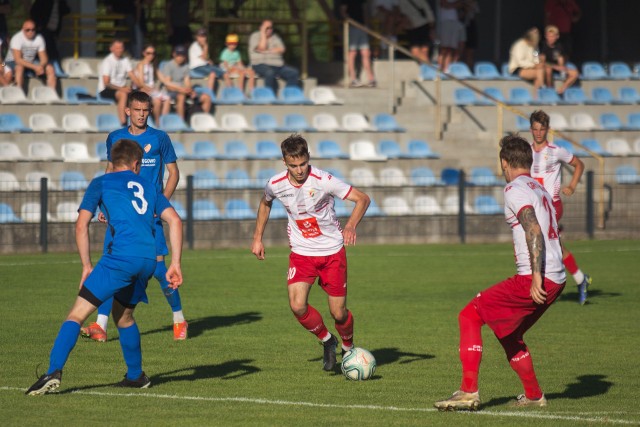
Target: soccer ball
(358, 364)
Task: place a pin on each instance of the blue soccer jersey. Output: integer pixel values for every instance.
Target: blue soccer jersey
(129, 203)
(157, 148)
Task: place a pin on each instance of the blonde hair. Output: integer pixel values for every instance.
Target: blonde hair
(552, 29)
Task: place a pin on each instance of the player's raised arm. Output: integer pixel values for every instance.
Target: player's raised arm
(362, 202)
(535, 243)
(257, 248)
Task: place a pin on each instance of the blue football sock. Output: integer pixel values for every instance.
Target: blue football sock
(161, 276)
(62, 346)
(131, 350)
(105, 307)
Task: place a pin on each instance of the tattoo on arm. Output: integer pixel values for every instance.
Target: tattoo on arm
(534, 237)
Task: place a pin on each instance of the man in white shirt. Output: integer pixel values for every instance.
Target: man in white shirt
(112, 81)
(317, 241)
(27, 51)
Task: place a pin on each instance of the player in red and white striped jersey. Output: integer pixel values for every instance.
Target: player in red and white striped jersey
(317, 241)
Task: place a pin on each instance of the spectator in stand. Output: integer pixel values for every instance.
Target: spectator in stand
(468, 16)
(524, 61)
(358, 41)
(133, 23)
(388, 13)
(174, 76)
(5, 10)
(27, 51)
(231, 63)
(112, 81)
(418, 19)
(200, 62)
(563, 14)
(266, 51)
(144, 79)
(554, 60)
(48, 14)
(6, 75)
(178, 16)
(451, 33)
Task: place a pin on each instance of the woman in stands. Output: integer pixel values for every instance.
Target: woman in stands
(145, 81)
(524, 61)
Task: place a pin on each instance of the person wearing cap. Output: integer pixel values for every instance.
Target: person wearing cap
(231, 63)
(200, 63)
(266, 51)
(555, 60)
(174, 76)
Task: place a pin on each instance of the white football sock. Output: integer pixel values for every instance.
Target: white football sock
(178, 317)
(103, 321)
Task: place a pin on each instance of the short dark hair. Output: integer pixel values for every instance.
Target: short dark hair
(516, 151)
(140, 96)
(539, 116)
(294, 146)
(125, 151)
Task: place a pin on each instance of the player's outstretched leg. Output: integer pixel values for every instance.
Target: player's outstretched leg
(180, 325)
(582, 279)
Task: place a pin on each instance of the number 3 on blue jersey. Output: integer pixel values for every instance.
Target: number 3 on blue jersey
(139, 195)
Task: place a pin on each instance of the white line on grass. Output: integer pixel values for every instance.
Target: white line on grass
(523, 414)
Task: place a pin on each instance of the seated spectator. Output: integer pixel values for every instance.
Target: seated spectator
(27, 51)
(199, 60)
(115, 68)
(174, 76)
(231, 63)
(524, 61)
(555, 59)
(6, 74)
(266, 51)
(144, 79)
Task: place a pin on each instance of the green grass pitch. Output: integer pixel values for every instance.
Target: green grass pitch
(248, 362)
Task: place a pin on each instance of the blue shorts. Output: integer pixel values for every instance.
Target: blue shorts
(161, 242)
(358, 39)
(208, 69)
(123, 278)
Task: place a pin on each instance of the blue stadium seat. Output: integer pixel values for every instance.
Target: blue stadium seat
(205, 209)
(237, 178)
(391, 149)
(592, 70)
(238, 209)
(483, 176)
(341, 208)
(374, 209)
(263, 175)
(633, 121)
(484, 70)
(423, 176)
(73, 181)
(277, 210)
(178, 147)
(627, 95)
(230, 95)
(506, 74)
(329, 149)
(335, 172)
(610, 121)
(295, 122)
(619, 71)
(519, 96)
(10, 122)
(627, 174)
(569, 147)
(236, 150)
(450, 176)
(262, 95)
(179, 208)
(101, 150)
(81, 95)
(493, 92)
(266, 149)
(427, 72)
(384, 122)
(460, 70)
(107, 122)
(600, 95)
(205, 179)
(487, 205)
(293, 95)
(172, 122)
(265, 122)
(575, 95)
(419, 149)
(464, 96)
(522, 123)
(204, 150)
(594, 145)
(7, 214)
(547, 96)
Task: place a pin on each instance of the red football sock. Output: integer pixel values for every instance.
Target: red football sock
(312, 322)
(470, 347)
(345, 330)
(570, 263)
(523, 365)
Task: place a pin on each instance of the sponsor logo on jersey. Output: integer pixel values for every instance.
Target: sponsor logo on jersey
(312, 192)
(148, 162)
(147, 148)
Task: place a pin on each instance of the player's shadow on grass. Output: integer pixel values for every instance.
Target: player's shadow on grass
(226, 371)
(593, 294)
(199, 326)
(585, 386)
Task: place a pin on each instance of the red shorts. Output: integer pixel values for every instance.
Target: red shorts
(332, 270)
(558, 207)
(508, 306)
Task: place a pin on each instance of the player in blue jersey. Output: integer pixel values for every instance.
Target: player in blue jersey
(130, 204)
(158, 154)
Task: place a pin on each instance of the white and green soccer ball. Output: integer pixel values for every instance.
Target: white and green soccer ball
(358, 364)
